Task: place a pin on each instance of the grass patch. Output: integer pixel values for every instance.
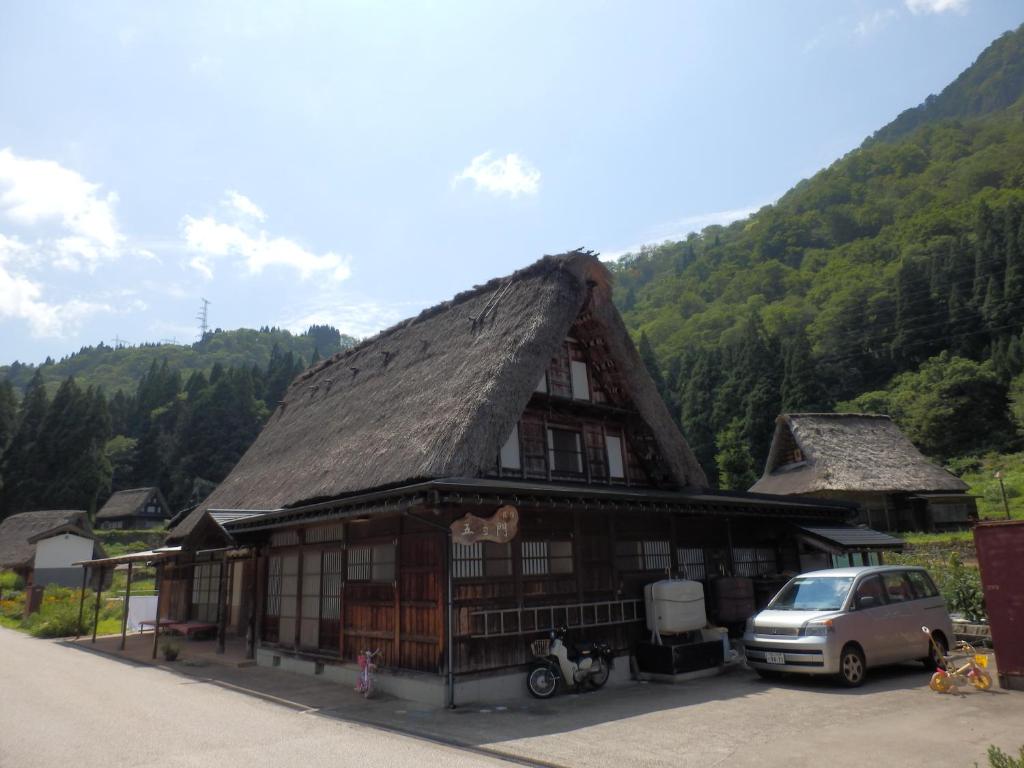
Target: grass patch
(122, 542)
(979, 474)
(58, 613)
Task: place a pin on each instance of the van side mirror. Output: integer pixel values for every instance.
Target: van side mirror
(867, 601)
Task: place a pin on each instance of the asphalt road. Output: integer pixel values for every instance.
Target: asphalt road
(64, 707)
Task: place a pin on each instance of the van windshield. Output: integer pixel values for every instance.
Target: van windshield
(817, 593)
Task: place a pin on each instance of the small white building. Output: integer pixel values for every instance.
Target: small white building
(42, 546)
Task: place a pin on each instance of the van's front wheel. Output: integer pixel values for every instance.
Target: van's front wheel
(852, 668)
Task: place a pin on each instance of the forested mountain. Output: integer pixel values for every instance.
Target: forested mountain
(114, 368)
(181, 424)
(891, 281)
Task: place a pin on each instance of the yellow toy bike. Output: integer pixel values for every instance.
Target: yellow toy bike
(949, 676)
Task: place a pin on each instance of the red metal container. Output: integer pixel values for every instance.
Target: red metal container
(1000, 547)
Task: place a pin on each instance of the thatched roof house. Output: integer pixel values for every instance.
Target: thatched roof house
(437, 395)
(134, 508)
(859, 457)
(22, 534)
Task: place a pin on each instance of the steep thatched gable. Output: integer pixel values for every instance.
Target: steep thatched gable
(130, 503)
(436, 396)
(851, 452)
(19, 533)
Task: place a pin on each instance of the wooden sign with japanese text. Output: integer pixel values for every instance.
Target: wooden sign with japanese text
(501, 527)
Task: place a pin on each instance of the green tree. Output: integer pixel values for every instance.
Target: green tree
(22, 461)
(735, 464)
(8, 414)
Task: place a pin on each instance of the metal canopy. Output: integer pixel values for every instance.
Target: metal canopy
(149, 555)
(852, 537)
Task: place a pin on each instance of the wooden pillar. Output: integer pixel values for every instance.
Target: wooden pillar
(96, 612)
(124, 611)
(221, 593)
(81, 601)
(577, 556)
(250, 634)
(395, 662)
(159, 600)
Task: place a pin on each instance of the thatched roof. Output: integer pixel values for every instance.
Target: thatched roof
(18, 533)
(851, 452)
(128, 503)
(436, 396)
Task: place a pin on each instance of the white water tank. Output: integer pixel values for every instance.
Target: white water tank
(675, 606)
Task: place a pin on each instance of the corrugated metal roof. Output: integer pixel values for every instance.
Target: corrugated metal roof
(853, 536)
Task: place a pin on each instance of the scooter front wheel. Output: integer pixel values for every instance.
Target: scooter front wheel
(600, 675)
(542, 682)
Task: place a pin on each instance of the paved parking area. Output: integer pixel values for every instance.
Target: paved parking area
(732, 720)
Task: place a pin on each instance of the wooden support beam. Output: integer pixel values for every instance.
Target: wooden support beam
(81, 601)
(96, 612)
(254, 596)
(221, 613)
(124, 610)
(159, 600)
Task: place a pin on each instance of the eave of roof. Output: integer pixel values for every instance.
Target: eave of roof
(484, 490)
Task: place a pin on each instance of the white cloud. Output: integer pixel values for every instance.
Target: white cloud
(21, 298)
(244, 205)
(42, 193)
(510, 175)
(937, 6)
(873, 23)
(680, 228)
(359, 318)
(210, 239)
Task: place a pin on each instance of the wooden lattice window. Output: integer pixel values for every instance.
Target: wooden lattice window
(691, 563)
(272, 605)
(205, 591)
(333, 577)
(481, 559)
(372, 562)
(754, 561)
(542, 558)
(651, 555)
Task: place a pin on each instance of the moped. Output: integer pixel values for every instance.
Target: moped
(949, 676)
(588, 665)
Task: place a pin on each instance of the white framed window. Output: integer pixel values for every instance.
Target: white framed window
(565, 452)
(643, 555)
(481, 559)
(580, 381)
(372, 562)
(616, 469)
(510, 451)
(542, 558)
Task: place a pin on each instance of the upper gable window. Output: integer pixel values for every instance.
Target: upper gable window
(510, 451)
(616, 470)
(580, 380)
(565, 452)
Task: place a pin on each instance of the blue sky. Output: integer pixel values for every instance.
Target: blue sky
(352, 163)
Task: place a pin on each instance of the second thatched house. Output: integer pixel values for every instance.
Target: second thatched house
(867, 460)
(137, 508)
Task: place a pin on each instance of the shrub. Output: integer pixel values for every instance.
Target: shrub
(10, 581)
(999, 759)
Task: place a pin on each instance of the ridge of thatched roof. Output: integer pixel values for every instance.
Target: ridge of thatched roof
(18, 533)
(436, 395)
(850, 452)
(126, 503)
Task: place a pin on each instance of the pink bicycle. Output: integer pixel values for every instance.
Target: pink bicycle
(365, 680)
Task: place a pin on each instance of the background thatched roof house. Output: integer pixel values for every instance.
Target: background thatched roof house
(42, 546)
(437, 395)
(135, 508)
(867, 459)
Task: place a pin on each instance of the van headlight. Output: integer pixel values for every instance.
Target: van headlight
(818, 628)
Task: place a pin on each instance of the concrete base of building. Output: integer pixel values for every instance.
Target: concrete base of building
(421, 687)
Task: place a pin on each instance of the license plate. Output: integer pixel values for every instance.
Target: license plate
(981, 659)
(775, 658)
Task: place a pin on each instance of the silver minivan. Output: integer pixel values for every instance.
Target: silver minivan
(843, 621)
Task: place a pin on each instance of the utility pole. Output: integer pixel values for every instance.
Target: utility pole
(1002, 490)
(202, 317)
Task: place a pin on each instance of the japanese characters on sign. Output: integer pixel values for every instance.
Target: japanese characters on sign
(500, 527)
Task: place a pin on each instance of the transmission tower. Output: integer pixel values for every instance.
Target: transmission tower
(119, 342)
(204, 327)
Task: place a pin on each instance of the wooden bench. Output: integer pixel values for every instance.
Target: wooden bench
(190, 629)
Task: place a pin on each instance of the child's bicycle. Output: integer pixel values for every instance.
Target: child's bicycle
(971, 670)
(365, 681)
